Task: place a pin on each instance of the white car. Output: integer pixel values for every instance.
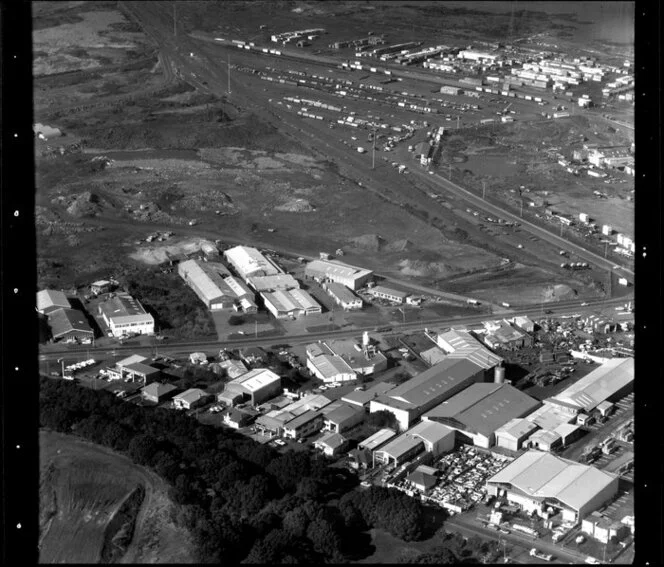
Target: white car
(279, 442)
(323, 387)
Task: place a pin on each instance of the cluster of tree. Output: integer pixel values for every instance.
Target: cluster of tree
(454, 549)
(240, 500)
(384, 508)
(381, 419)
(171, 302)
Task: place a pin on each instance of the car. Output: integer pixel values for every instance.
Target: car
(323, 387)
(584, 304)
(548, 312)
(279, 442)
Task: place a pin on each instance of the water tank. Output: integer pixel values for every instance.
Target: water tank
(499, 375)
(365, 339)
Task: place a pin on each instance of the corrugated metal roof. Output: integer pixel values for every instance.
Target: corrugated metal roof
(274, 282)
(341, 293)
(331, 440)
(339, 412)
(158, 389)
(64, 321)
(516, 428)
(302, 419)
(388, 291)
(191, 395)
(600, 384)
(332, 267)
(330, 366)
(51, 298)
(124, 308)
(134, 358)
(249, 261)
(207, 277)
(256, 379)
(377, 439)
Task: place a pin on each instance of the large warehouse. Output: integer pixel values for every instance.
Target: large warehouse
(207, 281)
(331, 270)
(124, 315)
(611, 381)
(250, 262)
(419, 394)
(273, 282)
(362, 358)
(479, 410)
(343, 296)
(290, 303)
(49, 300)
(514, 433)
(69, 325)
(255, 386)
(460, 343)
(426, 436)
(327, 366)
(215, 287)
(536, 481)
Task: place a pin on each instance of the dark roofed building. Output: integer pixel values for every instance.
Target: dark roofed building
(481, 409)
(158, 391)
(69, 325)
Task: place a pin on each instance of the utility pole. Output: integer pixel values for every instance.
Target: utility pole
(229, 73)
(483, 189)
(561, 229)
(606, 248)
(457, 121)
(450, 172)
(373, 151)
(256, 329)
(521, 211)
(175, 28)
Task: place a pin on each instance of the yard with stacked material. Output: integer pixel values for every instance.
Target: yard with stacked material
(98, 506)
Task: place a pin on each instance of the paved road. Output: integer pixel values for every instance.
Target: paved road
(519, 540)
(213, 345)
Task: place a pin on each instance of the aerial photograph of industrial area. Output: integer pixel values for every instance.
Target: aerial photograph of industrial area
(335, 282)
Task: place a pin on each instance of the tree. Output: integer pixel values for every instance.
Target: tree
(324, 538)
(235, 320)
(143, 448)
(381, 419)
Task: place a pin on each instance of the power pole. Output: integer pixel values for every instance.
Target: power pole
(373, 151)
(606, 248)
(521, 211)
(450, 173)
(483, 189)
(229, 73)
(457, 121)
(175, 28)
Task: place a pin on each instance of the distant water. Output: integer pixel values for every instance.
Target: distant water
(607, 21)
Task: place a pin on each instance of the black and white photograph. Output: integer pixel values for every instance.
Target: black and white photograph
(335, 282)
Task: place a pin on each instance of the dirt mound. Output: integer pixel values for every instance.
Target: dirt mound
(371, 242)
(402, 245)
(86, 204)
(296, 206)
(425, 269)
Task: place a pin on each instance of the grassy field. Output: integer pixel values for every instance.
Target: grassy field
(83, 487)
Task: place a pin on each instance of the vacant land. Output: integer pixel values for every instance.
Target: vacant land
(96, 505)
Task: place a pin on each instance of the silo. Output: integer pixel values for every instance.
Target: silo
(499, 375)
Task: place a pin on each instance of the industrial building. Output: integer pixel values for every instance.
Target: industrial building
(502, 334)
(610, 382)
(327, 366)
(233, 368)
(49, 300)
(274, 421)
(290, 303)
(393, 295)
(376, 440)
(254, 386)
(362, 398)
(428, 436)
(69, 325)
(330, 360)
(124, 315)
(273, 282)
(479, 410)
(304, 425)
(460, 343)
(249, 262)
(191, 399)
(537, 481)
(514, 433)
(207, 281)
(331, 270)
(343, 296)
(419, 394)
(340, 416)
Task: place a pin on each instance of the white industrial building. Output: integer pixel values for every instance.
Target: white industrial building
(362, 358)
(426, 436)
(249, 262)
(537, 481)
(49, 300)
(343, 296)
(393, 295)
(290, 303)
(513, 434)
(327, 366)
(256, 386)
(125, 315)
(331, 270)
(340, 416)
(460, 343)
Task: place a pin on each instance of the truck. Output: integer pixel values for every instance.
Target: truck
(623, 281)
(472, 302)
(361, 150)
(505, 304)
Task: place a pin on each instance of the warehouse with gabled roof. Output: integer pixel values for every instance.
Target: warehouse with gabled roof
(536, 481)
(332, 270)
(249, 262)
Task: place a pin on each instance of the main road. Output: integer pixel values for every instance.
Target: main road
(212, 346)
